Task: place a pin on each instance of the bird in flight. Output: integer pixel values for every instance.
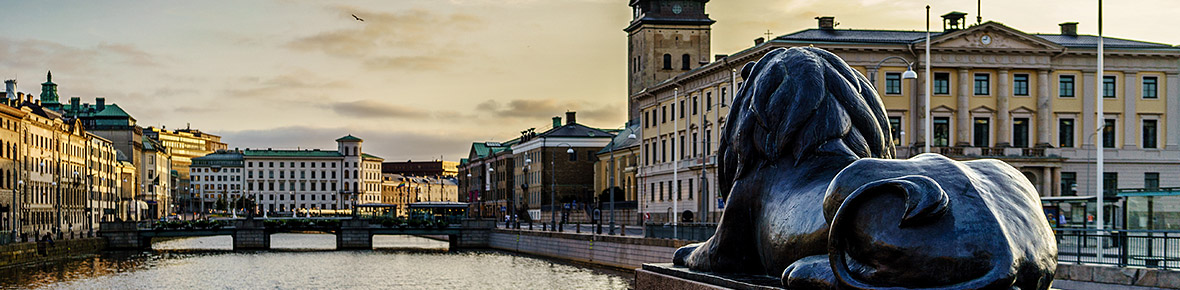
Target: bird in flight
(358, 18)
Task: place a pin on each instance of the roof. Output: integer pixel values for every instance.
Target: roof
(292, 153)
(1092, 41)
(907, 37)
(220, 155)
(349, 138)
(152, 144)
(621, 139)
(857, 35)
(576, 130)
(371, 156)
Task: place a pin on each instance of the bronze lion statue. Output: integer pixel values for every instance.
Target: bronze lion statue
(815, 196)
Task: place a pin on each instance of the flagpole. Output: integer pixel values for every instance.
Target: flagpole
(1099, 96)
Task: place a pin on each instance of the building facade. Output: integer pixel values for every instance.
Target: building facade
(614, 173)
(184, 145)
(281, 181)
(997, 92)
(557, 169)
(421, 168)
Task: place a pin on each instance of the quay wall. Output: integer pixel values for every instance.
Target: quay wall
(613, 251)
(25, 254)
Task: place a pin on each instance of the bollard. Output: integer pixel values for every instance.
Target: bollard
(623, 229)
(578, 228)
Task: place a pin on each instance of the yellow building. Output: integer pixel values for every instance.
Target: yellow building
(614, 173)
(997, 92)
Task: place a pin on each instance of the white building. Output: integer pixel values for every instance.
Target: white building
(281, 180)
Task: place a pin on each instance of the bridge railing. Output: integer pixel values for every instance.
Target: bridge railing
(1141, 248)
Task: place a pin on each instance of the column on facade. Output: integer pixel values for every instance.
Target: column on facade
(962, 110)
(1044, 110)
(1057, 182)
(1003, 137)
(1130, 114)
(1173, 103)
(917, 118)
(1086, 87)
(1047, 181)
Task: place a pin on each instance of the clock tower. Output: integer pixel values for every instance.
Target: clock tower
(665, 38)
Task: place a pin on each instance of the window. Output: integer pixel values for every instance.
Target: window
(895, 130)
(1150, 88)
(664, 150)
(722, 100)
(1065, 133)
(663, 114)
(690, 189)
(1149, 133)
(709, 100)
(982, 84)
(942, 132)
(1065, 86)
(1110, 183)
(1151, 180)
(694, 143)
(667, 61)
(1068, 181)
(1108, 87)
(1020, 132)
(678, 190)
(646, 118)
(682, 151)
(1108, 134)
(942, 83)
(1020, 84)
(685, 62)
(694, 105)
(982, 130)
(892, 83)
(682, 107)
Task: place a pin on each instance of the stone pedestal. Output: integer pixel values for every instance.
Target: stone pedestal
(354, 235)
(667, 276)
(250, 234)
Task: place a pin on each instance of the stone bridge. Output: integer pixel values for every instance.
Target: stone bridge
(254, 234)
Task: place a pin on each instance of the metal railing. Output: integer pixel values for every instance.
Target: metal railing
(1139, 248)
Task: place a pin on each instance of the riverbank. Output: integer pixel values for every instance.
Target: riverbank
(30, 254)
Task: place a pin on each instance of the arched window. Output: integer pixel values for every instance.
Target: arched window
(684, 62)
(667, 61)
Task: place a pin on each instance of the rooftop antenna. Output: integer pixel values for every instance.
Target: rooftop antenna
(978, 11)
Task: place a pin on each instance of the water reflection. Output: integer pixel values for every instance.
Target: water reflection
(207, 263)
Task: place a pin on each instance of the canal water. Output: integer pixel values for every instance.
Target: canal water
(302, 261)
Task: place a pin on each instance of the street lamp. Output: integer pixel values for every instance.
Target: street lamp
(611, 188)
(487, 187)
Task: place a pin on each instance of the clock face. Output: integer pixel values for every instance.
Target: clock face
(677, 9)
(985, 39)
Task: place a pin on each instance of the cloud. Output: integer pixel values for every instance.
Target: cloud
(375, 109)
(596, 112)
(405, 40)
(282, 85)
(42, 54)
(389, 144)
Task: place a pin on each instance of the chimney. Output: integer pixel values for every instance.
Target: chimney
(101, 103)
(74, 103)
(1069, 29)
(556, 122)
(827, 22)
(759, 40)
(570, 117)
(9, 89)
(719, 57)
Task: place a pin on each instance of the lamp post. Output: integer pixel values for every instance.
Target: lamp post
(470, 188)
(20, 184)
(553, 187)
(909, 74)
(611, 188)
(524, 187)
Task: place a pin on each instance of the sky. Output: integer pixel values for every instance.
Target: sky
(420, 79)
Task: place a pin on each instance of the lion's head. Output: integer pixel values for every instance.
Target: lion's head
(794, 101)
